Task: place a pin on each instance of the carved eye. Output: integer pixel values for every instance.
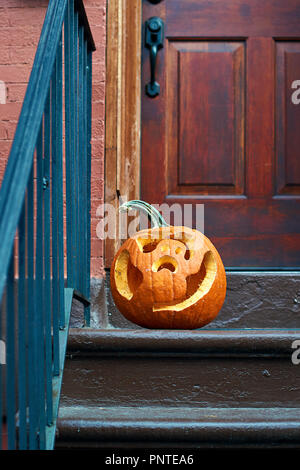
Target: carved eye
(147, 245)
(127, 277)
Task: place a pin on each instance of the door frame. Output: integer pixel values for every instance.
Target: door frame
(123, 107)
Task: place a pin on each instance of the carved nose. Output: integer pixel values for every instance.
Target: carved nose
(165, 262)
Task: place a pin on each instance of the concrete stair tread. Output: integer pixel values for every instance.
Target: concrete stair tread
(158, 414)
(226, 341)
(180, 426)
(244, 368)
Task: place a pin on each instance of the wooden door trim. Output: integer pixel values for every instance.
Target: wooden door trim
(123, 103)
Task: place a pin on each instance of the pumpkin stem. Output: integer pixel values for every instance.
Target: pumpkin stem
(155, 217)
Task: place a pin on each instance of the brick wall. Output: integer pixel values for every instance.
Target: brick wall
(20, 26)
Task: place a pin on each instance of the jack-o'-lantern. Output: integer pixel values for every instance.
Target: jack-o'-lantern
(167, 277)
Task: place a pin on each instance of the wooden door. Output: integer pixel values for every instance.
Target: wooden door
(224, 130)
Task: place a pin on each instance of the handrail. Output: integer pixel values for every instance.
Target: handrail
(35, 297)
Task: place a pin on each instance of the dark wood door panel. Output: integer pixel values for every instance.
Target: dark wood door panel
(197, 161)
(224, 131)
(287, 118)
(242, 217)
(239, 18)
(235, 250)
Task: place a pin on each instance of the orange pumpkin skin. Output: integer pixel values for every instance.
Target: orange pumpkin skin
(168, 277)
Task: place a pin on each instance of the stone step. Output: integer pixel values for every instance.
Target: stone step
(212, 368)
(177, 427)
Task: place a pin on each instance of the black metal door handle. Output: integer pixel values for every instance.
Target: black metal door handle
(154, 28)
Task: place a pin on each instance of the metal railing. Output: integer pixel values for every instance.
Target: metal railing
(45, 208)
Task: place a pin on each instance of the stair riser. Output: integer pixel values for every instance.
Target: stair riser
(253, 300)
(191, 380)
(197, 436)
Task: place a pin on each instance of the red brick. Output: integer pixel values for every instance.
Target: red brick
(16, 91)
(11, 129)
(35, 3)
(10, 111)
(97, 267)
(98, 92)
(99, 71)
(97, 188)
(97, 168)
(98, 33)
(26, 16)
(7, 129)
(100, 54)
(98, 165)
(97, 209)
(94, 224)
(3, 162)
(11, 3)
(14, 73)
(96, 16)
(26, 36)
(3, 131)
(98, 110)
(5, 146)
(98, 148)
(4, 22)
(5, 55)
(22, 55)
(96, 248)
(97, 127)
(23, 3)
(93, 3)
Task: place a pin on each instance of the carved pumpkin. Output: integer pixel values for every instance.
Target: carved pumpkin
(167, 277)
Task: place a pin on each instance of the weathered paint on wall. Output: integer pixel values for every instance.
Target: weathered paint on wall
(20, 26)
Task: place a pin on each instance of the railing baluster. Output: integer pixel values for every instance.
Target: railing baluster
(76, 143)
(80, 158)
(31, 315)
(54, 181)
(68, 144)
(60, 202)
(39, 297)
(47, 282)
(22, 333)
(84, 171)
(88, 174)
(10, 356)
(72, 201)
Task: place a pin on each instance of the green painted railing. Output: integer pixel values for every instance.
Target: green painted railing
(45, 227)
